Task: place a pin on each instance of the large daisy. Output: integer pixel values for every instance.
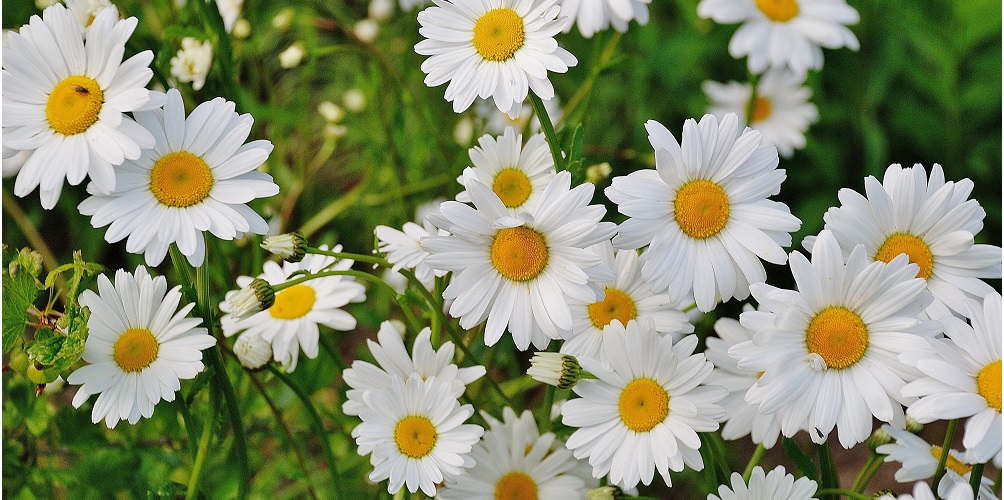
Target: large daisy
(198, 177)
(775, 485)
(919, 461)
(645, 408)
(519, 271)
(64, 100)
(139, 348)
(704, 211)
(828, 351)
(517, 174)
(592, 16)
(498, 49)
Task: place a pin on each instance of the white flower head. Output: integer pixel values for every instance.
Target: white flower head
(494, 121)
(592, 16)
(192, 62)
(252, 351)
(517, 174)
(775, 485)
(230, 10)
(919, 461)
(87, 10)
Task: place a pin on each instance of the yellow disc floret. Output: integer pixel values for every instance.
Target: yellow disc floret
(516, 486)
(498, 34)
(512, 187)
(293, 302)
(135, 349)
(988, 383)
(913, 247)
(415, 436)
(953, 463)
(180, 179)
(778, 10)
(701, 208)
(761, 108)
(643, 404)
(519, 253)
(838, 335)
(615, 305)
(74, 105)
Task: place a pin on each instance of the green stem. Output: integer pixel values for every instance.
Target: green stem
(751, 105)
(324, 274)
(839, 492)
(35, 239)
(867, 473)
(200, 458)
(754, 461)
(827, 469)
(548, 128)
(946, 445)
(586, 88)
(353, 256)
(997, 484)
(976, 477)
(333, 209)
(467, 352)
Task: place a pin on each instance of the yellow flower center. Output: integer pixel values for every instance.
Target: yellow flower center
(519, 253)
(74, 105)
(778, 10)
(293, 302)
(415, 436)
(988, 383)
(512, 186)
(498, 34)
(838, 335)
(953, 463)
(135, 349)
(913, 247)
(615, 305)
(516, 486)
(761, 108)
(643, 404)
(180, 179)
(701, 208)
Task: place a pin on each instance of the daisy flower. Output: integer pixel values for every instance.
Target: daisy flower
(828, 351)
(781, 111)
(516, 174)
(230, 10)
(592, 16)
(519, 271)
(775, 485)
(962, 378)
(198, 177)
(922, 491)
(495, 122)
(500, 50)
(404, 249)
(87, 10)
(931, 221)
(919, 461)
(704, 211)
(291, 324)
(139, 348)
(625, 298)
(645, 408)
(192, 62)
(784, 33)
(515, 461)
(65, 100)
(417, 434)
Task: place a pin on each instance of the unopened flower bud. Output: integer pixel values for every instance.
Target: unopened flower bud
(879, 438)
(251, 299)
(884, 495)
(381, 10)
(913, 426)
(605, 493)
(290, 246)
(252, 351)
(354, 100)
(331, 112)
(552, 368)
(366, 30)
(598, 173)
(292, 56)
(242, 29)
(283, 19)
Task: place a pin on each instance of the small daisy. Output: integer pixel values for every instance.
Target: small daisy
(516, 174)
(198, 177)
(775, 485)
(625, 298)
(417, 434)
(781, 111)
(291, 324)
(514, 461)
(592, 16)
(64, 100)
(922, 491)
(704, 211)
(192, 62)
(644, 411)
(962, 378)
(403, 248)
(87, 10)
(920, 461)
(928, 219)
(828, 350)
(139, 348)
(230, 10)
(488, 49)
(784, 33)
(495, 122)
(519, 272)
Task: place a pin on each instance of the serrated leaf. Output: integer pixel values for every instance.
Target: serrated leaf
(20, 289)
(45, 348)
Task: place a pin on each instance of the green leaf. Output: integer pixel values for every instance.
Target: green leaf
(20, 289)
(59, 350)
(806, 465)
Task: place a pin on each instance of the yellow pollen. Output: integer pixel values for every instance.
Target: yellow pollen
(293, 302)
(415, 436)
(988, 383)
(180, 179)
(519, 253)
(512, 186)
(135, 349)
(838, 335)
(516, 486)
(913, 247)
(778, 10)
(761, 108)
(953, 463)
(701, 208)
(615, 305)
(74, 105)
(643, 404)
(498, 34)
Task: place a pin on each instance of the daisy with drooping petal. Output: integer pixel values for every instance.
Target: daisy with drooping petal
(291, 323)
(139, 347)
(784, 33)
(775, 485)
(517, 174)
(500, 50)
(416, 431)
(625, 298)
(929, 220)
(704, 211)
(919, 461)
(198, 177)
(64, 100)
(962, 378)
(644, 410)
(828, 350)
(495, 121)
(519, 271)
(781, 111)
(592, 16)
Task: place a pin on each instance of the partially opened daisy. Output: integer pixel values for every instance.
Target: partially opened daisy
(517, 174)
(416, 431)
(291, 323)
(644, 410)
(784, 33)
(828, 350)
(140, 346)
(919, 461)
(519, 272)
(775, 485)
(404, 249)
(492, 49)
(64, 100)
(704, 211)
(198, 177)
(592, 16)
(781, 111)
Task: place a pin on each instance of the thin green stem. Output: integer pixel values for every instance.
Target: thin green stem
(353, 256)
(35, 239)
(754, 461)
(976, 477)
(549, 133)
(867, 472)
(324, 274)
(467, 352)
(186, 416)
(180, 263)
(751, 105)
(839, 492)
(946, 445)
(586, 88)
(200, 458)
(827, 468)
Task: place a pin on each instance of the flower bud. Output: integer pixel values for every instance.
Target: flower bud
(331, 112)
(251, 299)
(252, 351)
(559, 370)
(605, 493)
(879, 438)
(242, 29)
(292, 56)
(290, 246)
(598, 173)
(913, 426)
